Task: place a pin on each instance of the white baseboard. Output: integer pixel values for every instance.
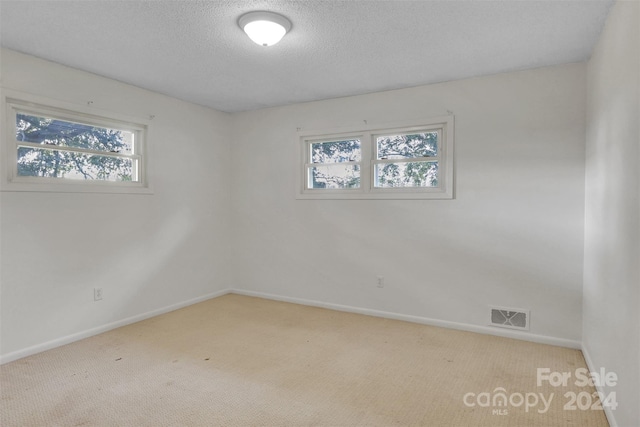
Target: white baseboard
(507, 333)
(592, 368)
(10, 357)
(19, 354)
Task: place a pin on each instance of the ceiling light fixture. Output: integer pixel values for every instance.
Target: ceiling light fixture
(264, 28)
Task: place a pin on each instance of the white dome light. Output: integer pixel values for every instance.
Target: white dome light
(264, 28)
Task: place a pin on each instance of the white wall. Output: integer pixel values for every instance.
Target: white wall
(512, 237)
(146, 251)
(612, 231)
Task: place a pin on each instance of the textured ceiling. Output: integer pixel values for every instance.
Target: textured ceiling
(194, 50)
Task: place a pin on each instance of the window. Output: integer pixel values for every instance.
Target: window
(407, 160)
(49, 148)
(396, 162)
(334, 164)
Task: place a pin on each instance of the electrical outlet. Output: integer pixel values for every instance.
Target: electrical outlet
(97, 294)
(380, 282)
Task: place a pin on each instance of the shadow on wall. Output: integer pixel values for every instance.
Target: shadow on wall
(141, 265)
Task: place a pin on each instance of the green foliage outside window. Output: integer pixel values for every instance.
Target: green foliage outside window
(46, 161)
(420, 172)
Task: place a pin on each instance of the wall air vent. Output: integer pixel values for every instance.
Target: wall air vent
(512, 318)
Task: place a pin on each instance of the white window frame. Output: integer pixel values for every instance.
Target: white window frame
(14, 102)
(367, 134)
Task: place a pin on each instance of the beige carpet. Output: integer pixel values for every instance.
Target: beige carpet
(242, 361)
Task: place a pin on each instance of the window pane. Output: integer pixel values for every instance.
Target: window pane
(336, 151)
(65, 164)
(406, 174)
(334, 176)
(407, 146)
(49, 131)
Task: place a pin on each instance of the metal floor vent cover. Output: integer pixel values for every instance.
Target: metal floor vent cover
(513, 318)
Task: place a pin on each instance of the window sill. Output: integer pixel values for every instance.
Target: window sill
(74, 187)
(386, 194)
